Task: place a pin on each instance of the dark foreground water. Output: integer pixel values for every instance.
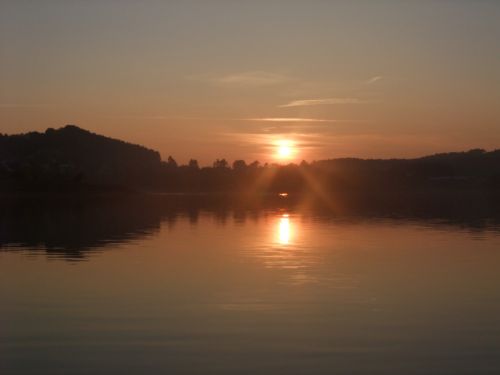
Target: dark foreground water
(153, 288)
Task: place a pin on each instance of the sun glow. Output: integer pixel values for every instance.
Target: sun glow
(284, 149)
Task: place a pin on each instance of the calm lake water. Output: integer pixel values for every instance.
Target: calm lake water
(134, 288)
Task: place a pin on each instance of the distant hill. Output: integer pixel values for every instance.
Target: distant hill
(476, 168)
(73, 158)
(71, 155)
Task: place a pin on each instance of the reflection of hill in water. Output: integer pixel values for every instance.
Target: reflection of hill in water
(72, 226)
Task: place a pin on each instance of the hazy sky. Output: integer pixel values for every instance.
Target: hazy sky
(211, 79)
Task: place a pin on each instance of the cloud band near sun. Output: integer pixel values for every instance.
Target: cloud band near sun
(325, 101)
(289, 119)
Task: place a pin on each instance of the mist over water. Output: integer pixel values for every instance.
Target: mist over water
(170, 284)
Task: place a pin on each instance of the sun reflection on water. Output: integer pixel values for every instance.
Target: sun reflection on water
(284, 230)
(285, 249)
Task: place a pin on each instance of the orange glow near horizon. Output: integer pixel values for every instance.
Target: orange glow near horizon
(208, 101)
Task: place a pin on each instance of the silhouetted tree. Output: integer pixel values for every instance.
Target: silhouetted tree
(171, 162)
(193, 164)
(254, 165)
(220, 163)
(239, 165)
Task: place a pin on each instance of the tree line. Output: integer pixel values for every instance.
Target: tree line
(71, 158)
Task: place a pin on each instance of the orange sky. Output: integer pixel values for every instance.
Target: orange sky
(217, 79)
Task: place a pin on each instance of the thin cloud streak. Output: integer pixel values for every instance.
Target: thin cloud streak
(286, 129)
(289, 119)
(373, 80)
(252, 79)
(325, 101)
(256, 119)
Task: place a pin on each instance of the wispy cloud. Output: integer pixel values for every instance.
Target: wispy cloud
(252, 79)
(373, 80)
(296, 121)
(291, 128)
(325, 101)
(289, 119)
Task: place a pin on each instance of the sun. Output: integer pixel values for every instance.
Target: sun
(284, 149)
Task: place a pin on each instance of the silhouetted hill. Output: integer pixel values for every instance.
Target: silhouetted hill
(474, 168)
(73, 158)
(71, 155)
